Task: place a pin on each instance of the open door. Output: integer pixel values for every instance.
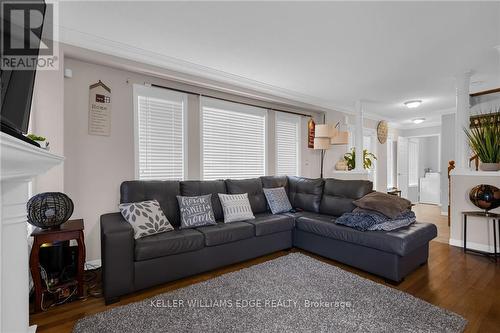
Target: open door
(402, 166)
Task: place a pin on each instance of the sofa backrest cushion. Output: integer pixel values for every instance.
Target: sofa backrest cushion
(338, 195)
(251, 186)
(305, 193)
(163, 191)
(193, 188)
(274, 181)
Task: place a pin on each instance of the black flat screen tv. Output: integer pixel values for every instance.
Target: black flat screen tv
(16, 95)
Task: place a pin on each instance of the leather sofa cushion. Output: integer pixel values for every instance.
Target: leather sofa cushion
(274, 181)
(305, 193)
(266, 223)
(193, 188)
(338, 195)
(168, 243)
(163, 191)
(251, 186)
(226, 232)
(401, 241)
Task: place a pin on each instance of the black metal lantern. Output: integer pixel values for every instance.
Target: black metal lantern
(49, 210)
(486, 197)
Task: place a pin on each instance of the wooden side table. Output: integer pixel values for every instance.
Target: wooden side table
(72, 229)
(489, 217)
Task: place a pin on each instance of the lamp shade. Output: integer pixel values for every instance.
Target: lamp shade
(321, 143)
(341, 138)
(323, 131)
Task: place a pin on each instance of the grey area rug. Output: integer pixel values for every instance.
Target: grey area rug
(293, 293)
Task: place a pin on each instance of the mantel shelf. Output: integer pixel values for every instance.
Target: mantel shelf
(21, 160)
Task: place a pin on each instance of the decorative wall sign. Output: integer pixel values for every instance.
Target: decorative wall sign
(99, 109)
(311, 125)
(382, 130)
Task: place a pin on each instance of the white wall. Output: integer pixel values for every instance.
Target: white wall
(447, 154)
(429, 154)
(96, 165)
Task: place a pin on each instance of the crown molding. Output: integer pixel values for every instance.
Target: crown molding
(110, 47)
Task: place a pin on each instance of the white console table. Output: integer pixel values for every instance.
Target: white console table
(20, 162)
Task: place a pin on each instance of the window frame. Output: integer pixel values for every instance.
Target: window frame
(160, 93)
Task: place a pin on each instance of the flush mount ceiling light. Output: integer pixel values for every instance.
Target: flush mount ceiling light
(413, 104)
(418, 120)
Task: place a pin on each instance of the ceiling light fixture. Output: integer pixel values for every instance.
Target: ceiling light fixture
(413, 104)
(418, 120)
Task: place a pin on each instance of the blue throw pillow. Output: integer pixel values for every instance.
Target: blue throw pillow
(277, 200)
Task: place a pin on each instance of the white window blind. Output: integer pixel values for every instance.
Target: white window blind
(159, 133)
(233, 140)
(287, 144)
(413, 163)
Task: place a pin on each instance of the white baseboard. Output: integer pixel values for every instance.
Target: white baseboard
(93, 264)
(473, 246)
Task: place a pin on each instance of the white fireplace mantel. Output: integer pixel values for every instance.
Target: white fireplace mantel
(20, 162)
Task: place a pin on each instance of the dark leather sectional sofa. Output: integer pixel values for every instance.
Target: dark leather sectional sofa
(129, 265)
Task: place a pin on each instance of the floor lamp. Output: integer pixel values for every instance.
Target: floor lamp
(322, 137)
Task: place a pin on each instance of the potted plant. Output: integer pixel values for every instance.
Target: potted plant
(484, 140)
(40, 140)
(350, 159)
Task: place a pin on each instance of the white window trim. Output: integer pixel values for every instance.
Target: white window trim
(298, 119)
(141, 90)
(237, 107)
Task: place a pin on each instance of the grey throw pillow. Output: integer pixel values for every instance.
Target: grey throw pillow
(277, 200)
(236, 207)
(196, 211)
(146, 217)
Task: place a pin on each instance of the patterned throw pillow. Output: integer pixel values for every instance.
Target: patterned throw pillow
(277, 200)
(146, 217)
(196, 211)
(236, 207)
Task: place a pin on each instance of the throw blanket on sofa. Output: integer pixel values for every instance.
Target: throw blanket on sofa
(363, 220)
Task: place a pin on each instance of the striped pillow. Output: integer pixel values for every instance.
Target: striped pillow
(236, 207)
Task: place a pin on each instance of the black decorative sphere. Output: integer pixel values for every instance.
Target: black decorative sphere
(486, 197)
(49, 210)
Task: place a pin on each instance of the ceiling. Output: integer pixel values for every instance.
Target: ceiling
(329, 54)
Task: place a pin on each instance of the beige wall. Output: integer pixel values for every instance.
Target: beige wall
(96, 165)
(47, 120)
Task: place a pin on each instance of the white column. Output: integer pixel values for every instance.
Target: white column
(359, 136)
(462, 150)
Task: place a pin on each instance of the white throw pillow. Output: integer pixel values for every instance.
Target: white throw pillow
(236, 207)
(146, 217)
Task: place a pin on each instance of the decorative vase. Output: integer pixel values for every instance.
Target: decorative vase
(489, 166)
(486, 197)
(49, 210)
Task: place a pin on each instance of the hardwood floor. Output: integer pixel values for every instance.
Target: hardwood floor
(432, 214)
(466, 284)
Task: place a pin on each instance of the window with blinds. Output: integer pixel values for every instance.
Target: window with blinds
(287, 144)
(412, 162)
(233, 140)
(159, 133)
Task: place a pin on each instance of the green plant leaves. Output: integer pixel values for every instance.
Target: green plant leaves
(484, 140)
